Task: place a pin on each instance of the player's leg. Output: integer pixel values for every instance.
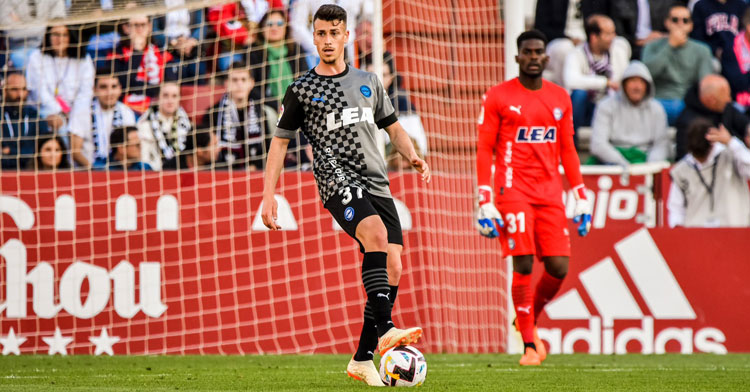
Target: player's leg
(517, 240)
(350, 208)
(554, 250)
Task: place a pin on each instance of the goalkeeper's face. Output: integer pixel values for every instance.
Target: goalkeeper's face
(330, 38)
(532, 58)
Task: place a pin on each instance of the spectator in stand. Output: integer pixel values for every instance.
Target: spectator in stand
(21, 124)
(709, 185)
(61, 79)
(562, 22)
(180, 32)
(711, 99)
(282, 58)
(404, 109)
(240, 121)
(126, 150)
(90, 147)
(630, 126)
(716, 22)
(163, 128)
(595, 68)
(235, 25)
(139, 64)
(735, 64)
(51, 154)
(301, 22)
(201, 152)
(24, 23)
(640, 21)
(676, 62)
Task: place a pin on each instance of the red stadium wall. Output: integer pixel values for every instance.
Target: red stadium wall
(190, 274)
(172, 263)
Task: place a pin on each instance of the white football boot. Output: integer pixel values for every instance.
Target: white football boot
(398, 337)
(364, 371)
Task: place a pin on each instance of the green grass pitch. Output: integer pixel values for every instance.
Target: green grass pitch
(446, 372)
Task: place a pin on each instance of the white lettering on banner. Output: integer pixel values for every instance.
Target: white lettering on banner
(613, 300)
(42, 280)
(620, 204)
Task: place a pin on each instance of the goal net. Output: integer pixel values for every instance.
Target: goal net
(95, 259)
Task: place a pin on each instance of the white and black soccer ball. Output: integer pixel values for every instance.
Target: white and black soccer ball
(403, 366)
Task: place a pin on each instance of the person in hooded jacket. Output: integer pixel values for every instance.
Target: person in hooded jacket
(631, 125)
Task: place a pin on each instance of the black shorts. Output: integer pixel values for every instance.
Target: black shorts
(350, 205)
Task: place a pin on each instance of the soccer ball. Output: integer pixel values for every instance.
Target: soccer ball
(403, 366)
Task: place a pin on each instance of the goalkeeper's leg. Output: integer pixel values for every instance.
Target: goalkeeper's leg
(523, 304)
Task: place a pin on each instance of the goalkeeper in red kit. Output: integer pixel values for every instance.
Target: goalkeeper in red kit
(526, 131)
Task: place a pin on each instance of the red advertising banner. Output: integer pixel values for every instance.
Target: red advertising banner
(653, 291)
(140, 263)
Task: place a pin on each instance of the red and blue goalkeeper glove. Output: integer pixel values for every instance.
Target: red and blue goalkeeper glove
(582, 212)
(488, 221)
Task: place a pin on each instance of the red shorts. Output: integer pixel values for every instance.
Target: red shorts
(540, 230)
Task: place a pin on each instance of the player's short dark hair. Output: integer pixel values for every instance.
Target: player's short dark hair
(119, 136)
(529, 35)
(330, 13)
(696, 137)
(200, 138)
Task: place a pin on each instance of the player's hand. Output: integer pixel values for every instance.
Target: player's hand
(582, 212)
(488, 221)
(422, 167)
(270, 213)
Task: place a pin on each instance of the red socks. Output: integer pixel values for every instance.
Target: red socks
(523, 303)
(546, 289)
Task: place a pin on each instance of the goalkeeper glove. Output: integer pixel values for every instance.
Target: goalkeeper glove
(488, 221)
(582, 212)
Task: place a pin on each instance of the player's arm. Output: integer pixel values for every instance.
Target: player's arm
(572, 166)
(385, 118)
(488, 220)
(274, 164)
(290, 120)
(404, 146)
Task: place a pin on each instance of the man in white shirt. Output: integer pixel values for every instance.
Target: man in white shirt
(90, 148)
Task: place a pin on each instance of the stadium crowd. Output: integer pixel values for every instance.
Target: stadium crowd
(201, 87)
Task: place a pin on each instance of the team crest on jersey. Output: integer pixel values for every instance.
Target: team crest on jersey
(349, 214)
(365, 91)
(536, 135)
(557, 113)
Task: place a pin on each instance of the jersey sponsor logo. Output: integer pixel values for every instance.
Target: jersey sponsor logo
(536, 135)
(349, 116)
(557, 113)
(365, 91)
(349, 214)
(516, 109)
(614, 300)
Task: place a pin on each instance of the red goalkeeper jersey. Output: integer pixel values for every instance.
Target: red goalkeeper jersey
(527, 134)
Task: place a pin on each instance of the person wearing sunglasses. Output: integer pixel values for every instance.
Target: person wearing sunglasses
(676, 62)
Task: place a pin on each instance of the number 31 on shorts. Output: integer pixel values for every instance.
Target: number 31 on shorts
(515, 222)
(346, 194)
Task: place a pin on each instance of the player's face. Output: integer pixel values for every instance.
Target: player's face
(532, 58)
(330, 38)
